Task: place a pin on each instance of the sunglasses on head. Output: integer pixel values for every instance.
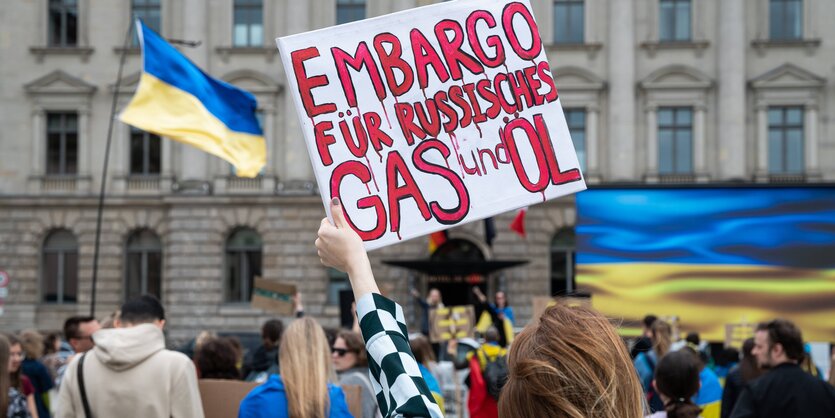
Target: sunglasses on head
(341, 351)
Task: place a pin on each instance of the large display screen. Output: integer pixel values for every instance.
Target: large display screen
(711, 256)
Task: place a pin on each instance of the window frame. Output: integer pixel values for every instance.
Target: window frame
(239, 254)
(143, 252)
(570, 254)
(351, 5)
(675, 128)
(63, 133)
(783, 129)
(140, 11)
(784, 5)
(246, 8)
(147, 138)
(569, 5)
(64, 8)
(574, 129)
(675, 22)
(62, 276)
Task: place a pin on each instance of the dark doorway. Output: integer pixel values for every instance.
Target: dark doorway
(457, 289)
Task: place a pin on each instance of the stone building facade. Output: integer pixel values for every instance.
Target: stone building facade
(735, 70)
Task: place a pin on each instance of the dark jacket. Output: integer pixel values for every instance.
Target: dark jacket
(786, 391)
(259, 361)
(733, 386)
(42, 380)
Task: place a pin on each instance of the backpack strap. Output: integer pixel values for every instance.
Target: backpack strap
(81, 389)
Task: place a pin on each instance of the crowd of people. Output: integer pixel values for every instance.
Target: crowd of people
(569, 362)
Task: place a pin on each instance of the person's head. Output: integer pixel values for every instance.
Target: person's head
(145, 309)
(662, 337)
(16, 357)
(79, 330)
(422, 349)
(677, 381)
(571, 363)
(492, 335)
(32, 343)
(305, 366)
(777, 342)
(434, 297)
(693, 338)
(5, 382)
(349, 351)
(271, 333)
(647, 323)
(501, 299)
(51, 343)
(749, 366)
(216, 358)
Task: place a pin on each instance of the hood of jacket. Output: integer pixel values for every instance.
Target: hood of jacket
(123, 348)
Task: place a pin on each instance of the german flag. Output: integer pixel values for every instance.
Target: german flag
(436, 239)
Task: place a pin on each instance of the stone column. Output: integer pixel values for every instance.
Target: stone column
(731, 91)
(38, 141)
(621, 133)
(592, 169)
(652, 144)
(762, 142)
(85, 146)
(194, 162)
(699, 144)
(811, 140)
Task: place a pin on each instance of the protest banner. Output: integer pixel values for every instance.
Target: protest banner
(222, 398)
(273, 296)
(451, 322)
(432, 117)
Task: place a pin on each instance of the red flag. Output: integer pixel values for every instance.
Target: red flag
(436, 239)
(518, 224)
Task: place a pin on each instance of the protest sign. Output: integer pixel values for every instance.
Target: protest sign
(222, 398)
(736, 334)
(432, 117)
(273, 296)
(451, 322)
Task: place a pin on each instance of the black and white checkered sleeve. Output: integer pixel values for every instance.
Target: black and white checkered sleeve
(401, 390)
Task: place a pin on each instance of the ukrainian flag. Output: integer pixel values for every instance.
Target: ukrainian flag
(178, 100)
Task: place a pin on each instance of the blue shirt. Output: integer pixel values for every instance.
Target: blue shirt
(270, 401)
(711, 390)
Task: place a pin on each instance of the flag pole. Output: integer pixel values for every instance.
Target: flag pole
(100, 212)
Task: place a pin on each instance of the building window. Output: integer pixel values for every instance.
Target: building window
(563, 248)
(63, 23)
(337, 283)
(675, 140)
(349, 11)
(785, 140)
(60, 267)
(61, 143)
(785, 19)
(576, 120)
(674, 21)
(145, 153)
(143, 274)
(248, 24)
(243, 263)
(149, 12)
(569, 21)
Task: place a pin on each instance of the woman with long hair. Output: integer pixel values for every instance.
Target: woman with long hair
(12, 400)
(739, 376)
(18, 380)
(351, 364)
(305, 388)
(645, 363)
(676, 382)
(550, 374)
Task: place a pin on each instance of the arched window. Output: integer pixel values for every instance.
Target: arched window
(143, 264)
(60, 267)
(563, 248)
(243, 263)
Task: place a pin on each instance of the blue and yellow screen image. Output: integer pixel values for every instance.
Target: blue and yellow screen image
(711, 256)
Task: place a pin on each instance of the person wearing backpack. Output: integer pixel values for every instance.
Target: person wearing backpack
(488, 374)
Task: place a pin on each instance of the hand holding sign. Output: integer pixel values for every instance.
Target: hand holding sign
(340, 247)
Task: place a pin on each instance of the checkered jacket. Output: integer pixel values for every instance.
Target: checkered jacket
(400, 389)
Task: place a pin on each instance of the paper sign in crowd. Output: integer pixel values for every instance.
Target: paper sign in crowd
(432, 117)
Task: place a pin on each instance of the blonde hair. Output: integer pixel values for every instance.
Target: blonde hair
(570, 364)
(306, 369)
(31, 342)
(662, 337)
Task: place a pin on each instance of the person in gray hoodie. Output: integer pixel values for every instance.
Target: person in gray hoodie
(129, 373)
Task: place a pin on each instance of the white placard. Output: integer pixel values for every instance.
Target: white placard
(432, 117)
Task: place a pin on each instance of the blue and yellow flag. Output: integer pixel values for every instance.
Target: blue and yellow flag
(178, 100)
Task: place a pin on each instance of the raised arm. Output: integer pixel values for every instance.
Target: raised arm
(401, 391)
